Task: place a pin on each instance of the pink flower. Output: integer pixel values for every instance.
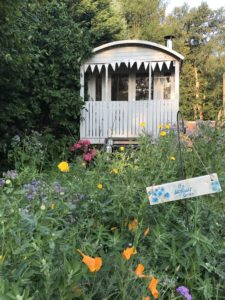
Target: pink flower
(84, 142)
(77, 146)
(87, 156)
(93, 153)
(72, 148)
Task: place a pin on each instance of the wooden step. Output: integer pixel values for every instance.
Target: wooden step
(123, 141)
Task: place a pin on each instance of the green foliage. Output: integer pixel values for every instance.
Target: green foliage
(59, 46)
(42, 48)
(45, 217)
(102, 18)
(199, 36)
(144, 19)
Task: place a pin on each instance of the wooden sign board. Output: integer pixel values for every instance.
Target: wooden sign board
(183, 189)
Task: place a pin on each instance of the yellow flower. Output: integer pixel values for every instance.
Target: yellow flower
(122, 148)
(160, 126)
(162, 133)
(115, 171)
(128, 252)
(172, 158)
(146, 232)
(167, 126)
(93, 264)
(133, 225)
(64, 166)
(100, 186)
(8, 181)
(113, 229)
(53, 205)
(142, 124)
(1, 258)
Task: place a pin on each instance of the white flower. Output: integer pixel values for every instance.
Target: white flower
(43, 207)
(8, 181)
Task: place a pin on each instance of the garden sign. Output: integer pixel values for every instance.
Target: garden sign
(182, 189)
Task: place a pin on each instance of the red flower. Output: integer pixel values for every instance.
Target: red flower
(87, 156)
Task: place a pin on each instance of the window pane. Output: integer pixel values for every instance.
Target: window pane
(98, 87)
(167, 88)
(119, 87)
(142, 86)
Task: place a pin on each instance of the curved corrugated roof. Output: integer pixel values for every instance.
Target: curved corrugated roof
(141, 43)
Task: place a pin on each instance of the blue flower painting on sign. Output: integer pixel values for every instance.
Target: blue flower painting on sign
(215, 185)
(183, 189)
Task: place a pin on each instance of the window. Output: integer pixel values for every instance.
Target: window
(167, 88)
(142, 86)
(98, 87)
(119, 87)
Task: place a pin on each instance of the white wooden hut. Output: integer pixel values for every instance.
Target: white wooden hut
(126, 83)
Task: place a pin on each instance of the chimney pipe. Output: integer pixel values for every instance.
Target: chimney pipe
(169, 41)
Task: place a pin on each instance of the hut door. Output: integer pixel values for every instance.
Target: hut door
(163, 88)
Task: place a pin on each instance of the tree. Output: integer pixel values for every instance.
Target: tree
(41, 52)
(102, 18)
(199, 32)
(144, 19)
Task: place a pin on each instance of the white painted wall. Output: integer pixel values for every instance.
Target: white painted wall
(106, 118)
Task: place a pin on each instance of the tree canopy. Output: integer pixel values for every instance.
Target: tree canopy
(42, 44)
(199, 36)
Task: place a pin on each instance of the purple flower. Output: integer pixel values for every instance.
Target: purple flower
(184, 291)
(57, 188)
(12, 174)
(32, 189)
(2, 182)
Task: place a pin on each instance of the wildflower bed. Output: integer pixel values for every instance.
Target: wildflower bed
(85, 229)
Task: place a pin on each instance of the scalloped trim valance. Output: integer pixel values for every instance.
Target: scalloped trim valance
(129, 64)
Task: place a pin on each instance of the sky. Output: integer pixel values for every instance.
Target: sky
(213, 4)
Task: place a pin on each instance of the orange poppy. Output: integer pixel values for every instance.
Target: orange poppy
(146, 298)
(128, 252)
(133, 225)
(77, 291)
(139, 270)
(93, 264)
(146, 232)
(152, 287)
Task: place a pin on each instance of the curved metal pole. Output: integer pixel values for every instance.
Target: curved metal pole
(183, 130)
(182, 168)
